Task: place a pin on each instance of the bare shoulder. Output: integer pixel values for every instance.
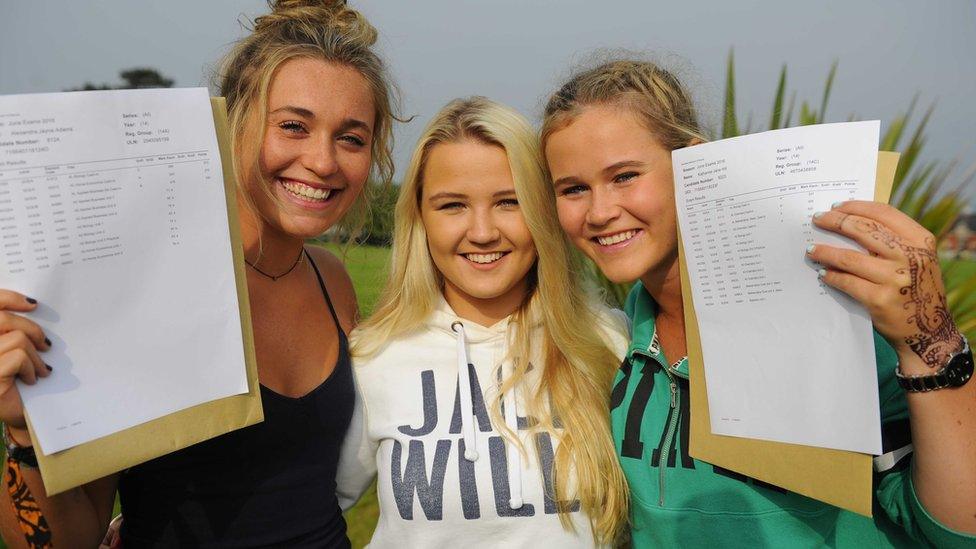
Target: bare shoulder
(339, 284)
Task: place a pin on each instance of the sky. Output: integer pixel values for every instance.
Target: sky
(519, 51)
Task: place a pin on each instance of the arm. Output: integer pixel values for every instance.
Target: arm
(357, 459)
(28, 517)
(899, 281)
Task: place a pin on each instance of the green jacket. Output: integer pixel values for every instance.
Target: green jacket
(679, 501)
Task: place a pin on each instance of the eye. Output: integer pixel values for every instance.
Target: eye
(293, 126)
(354, 140)
(509, 203)
(572, 190)
(451, 206)
(624, 177)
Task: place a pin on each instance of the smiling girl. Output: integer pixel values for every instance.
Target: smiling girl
(608, 134)
(484, 371)
(310, 114)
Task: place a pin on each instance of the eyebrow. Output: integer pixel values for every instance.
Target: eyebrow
(455, 196)
(299, 111)
(606, 171)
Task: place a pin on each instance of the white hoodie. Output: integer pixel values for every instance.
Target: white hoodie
(446, 476)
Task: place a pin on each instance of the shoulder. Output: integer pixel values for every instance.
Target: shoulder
(339, 284)
(614, 327)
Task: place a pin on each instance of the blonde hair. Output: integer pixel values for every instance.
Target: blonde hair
(652, 92)
(320, 29)
(579, 368)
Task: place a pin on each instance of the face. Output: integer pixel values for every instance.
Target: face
(614, 193)
(316, 152)
(476, 234)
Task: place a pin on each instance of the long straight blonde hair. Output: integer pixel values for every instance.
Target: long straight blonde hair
(579, 368)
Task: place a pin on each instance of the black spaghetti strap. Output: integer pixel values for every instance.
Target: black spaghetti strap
(325, 292)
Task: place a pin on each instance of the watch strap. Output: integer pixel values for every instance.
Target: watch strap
(955, 373)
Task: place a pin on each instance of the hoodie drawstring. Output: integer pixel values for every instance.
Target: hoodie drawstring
(467, 404)
(467, 418)
(514, 456)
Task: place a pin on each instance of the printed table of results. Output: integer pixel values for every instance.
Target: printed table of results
(113, 215)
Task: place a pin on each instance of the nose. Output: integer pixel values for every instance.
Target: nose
(320, 157)
(482, 228)
(603, 208)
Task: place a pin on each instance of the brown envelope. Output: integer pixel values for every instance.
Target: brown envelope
(837, 477)
(102, 457)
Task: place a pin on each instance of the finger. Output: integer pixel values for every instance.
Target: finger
(10, 322)
(869, 234)
(860, 264)
(13, 301)
(12, 341)
(893, 218)
(854, 286)
(17, 363)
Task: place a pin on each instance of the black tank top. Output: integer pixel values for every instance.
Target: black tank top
(270, 484)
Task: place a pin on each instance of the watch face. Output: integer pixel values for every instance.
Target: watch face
(960, 369)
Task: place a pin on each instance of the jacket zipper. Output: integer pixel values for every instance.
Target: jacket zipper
(652, 351)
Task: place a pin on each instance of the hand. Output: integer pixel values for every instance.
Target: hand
(20, 341)
(897, 279)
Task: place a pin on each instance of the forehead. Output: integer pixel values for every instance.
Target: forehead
(598, 136)
(329, 90)
(470, 167)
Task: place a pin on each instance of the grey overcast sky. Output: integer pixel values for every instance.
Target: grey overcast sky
(518, 51)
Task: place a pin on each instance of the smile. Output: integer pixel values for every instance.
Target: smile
(617, 238)
(484, 259)
(306, 192)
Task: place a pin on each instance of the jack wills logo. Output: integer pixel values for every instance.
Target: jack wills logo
(413, 477)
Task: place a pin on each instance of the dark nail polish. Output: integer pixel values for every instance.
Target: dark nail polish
(49, 368)
(32, 301)
(48, 341)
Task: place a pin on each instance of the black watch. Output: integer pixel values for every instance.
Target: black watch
(955, 373)
(21, 454)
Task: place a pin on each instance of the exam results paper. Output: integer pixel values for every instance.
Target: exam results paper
(113, 216)
(786, 357)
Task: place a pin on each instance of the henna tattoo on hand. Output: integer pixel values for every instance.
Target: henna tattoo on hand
(936, 337)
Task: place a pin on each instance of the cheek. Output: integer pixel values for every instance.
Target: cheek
(356, 168)
(571, 215)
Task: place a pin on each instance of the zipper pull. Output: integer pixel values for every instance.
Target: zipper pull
(674, 391)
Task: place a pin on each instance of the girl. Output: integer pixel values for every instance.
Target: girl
(484, 372)
(310, 113)
(608, 134)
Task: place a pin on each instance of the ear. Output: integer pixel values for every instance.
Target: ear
(694, 141)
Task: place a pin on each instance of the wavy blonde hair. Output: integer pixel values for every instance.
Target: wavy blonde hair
(579, 368)
(319, 29)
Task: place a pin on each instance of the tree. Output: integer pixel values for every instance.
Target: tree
(132, 79)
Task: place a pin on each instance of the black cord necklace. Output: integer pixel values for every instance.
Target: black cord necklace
(274, 278)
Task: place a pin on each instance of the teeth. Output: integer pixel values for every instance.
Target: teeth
(306, 192)
(484, 258)
(613, 239)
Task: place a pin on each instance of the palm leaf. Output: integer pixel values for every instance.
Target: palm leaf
(730, 127)
(778, 101)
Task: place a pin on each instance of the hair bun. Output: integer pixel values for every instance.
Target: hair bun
(333, 14)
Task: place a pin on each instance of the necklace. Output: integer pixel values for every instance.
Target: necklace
(276, 277)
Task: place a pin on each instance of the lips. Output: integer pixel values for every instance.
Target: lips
(615, 238)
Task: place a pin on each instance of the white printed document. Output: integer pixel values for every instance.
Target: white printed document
(113, 216)
(786, 357)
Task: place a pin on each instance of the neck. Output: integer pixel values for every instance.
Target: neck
(264, 247)
(486, 312)
(664, 286)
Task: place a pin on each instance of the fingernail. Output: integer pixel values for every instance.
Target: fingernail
(32, 301)
(818, 215)
(821, 273)
(49, 368)
(811, 248)
(835, 205)
(48, 341)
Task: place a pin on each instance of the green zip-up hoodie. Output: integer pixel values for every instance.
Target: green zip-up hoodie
(679, 501)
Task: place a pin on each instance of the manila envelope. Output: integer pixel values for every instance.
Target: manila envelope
(99, 458)
(840, 478)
